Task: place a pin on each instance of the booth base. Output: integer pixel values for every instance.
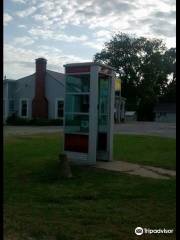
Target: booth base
(82, 158)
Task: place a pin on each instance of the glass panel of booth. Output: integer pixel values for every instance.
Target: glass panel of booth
(78, 83)
(104, 85)
(77, 103)
(77, 123)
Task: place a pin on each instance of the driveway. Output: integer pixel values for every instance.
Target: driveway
(137, 128)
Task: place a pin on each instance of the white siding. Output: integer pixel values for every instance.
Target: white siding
(54, 90)
(25, 89)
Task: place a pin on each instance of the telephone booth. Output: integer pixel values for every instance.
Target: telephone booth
(89, 112)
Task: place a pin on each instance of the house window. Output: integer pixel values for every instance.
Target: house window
(24, 108)
(60, 109)
(11, 106)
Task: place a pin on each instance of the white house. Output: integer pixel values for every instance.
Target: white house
(40, 95)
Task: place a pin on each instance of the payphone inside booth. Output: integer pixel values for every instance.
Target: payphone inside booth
(89, 112)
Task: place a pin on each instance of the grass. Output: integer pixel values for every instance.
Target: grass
(148, 150)
(95, 204)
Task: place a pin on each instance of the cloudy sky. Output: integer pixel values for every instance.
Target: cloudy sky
(66, 31)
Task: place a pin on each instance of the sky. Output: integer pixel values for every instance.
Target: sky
(67, 31)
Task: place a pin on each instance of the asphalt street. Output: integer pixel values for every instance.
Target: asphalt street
(137, 128)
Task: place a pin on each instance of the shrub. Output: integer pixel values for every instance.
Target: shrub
(17, 121)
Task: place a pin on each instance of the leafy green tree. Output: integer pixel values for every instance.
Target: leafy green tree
(170, 62)
(169, 93)
(143, 66)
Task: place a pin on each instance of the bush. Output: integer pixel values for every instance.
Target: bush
(17, 121)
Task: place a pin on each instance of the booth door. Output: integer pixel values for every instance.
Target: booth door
(103, 117)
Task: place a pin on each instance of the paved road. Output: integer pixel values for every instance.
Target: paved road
(147, 128)
(25, 130)
(137, 128)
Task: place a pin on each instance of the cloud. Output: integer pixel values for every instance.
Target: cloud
(20, 62)
(78, 12)
(165, 15)
(55, 36)
(24, 41)
(159, 24)
(99, 15)
(48, 34)
(40, 17)
(164, 29)
(170, 41)
(103, 33)
(7, 18)
(22, 26)
(41, 33)
(27, 12)
(93, 22)
(94, 45)
(19, 1)
(99, 39)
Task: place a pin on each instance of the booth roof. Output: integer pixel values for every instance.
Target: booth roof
(87, 64)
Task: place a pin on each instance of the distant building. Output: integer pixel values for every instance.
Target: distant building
(165, 112)
(130, 116)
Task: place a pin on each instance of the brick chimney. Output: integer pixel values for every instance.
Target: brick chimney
(40, 103)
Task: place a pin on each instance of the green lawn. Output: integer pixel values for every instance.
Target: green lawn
(95, 204)
(153, 151)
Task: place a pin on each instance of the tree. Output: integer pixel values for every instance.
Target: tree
(170, 62)
(141, 64)
(120, 53)
(169, 93)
